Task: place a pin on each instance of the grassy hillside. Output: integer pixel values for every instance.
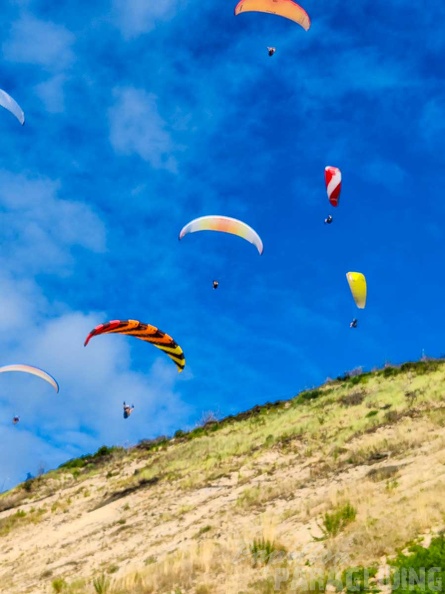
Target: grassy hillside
(288, 497)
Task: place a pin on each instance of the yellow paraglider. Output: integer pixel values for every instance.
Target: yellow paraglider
(357, 284)
(284, 8)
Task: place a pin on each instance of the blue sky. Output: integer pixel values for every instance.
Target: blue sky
(142, 116)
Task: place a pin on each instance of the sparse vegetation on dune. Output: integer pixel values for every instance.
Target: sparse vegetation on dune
(285, 497)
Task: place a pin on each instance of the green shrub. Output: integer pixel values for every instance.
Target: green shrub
(409, 366)
(113, 569)
(390, 371)
(264, 551)
(343, 378)
(203, 530)
(74, 463)
(101, 584)
(423, 571)
(28, 485)
(59, 585)
(103, 454)
(356, 580)
(359, 379)
(10, 522)
(197, 432)
(310, 394)
(425, 365)
(335, 522)
(153, 444)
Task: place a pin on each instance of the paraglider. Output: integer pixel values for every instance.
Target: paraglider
(225, 225)
(145, 332)
(128, 410)
(15, 420)
(215, 284)
(33, 371)
(8, 103)
(332, 177)
(328, 220)
(284, 8)
(271, 51)
(357, 284)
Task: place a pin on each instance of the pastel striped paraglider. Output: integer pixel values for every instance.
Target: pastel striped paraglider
(224, 225)
(11, 105)
(33, 371)
(332, 176)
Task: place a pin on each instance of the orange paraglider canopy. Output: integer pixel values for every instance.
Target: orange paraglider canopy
(285, 8)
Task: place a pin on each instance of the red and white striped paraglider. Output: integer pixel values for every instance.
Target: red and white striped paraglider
(332, 177)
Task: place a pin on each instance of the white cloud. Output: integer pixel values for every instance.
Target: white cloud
(94, 381)
(379, 171)
(51, 93)
(19, 301)
(432, 123)
(43, 43)
(136, 127)
(39, 231)
(134, 17)
(40, 228)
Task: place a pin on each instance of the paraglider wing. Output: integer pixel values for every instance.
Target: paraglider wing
(145, 332)
(357, 284)
(332, 176)
(225, 225)
(284, 8)
(34, 371)
(8, 103)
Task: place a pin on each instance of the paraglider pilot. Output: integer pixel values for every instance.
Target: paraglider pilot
(328, 220)
(353, 324)
(15, 420)
(215, 284)
(128, 410)
(271, 50)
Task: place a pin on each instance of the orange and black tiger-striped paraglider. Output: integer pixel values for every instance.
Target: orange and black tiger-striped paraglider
(145, 332)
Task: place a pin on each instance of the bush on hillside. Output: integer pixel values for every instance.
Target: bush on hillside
(335, 522)
(103, 454)
(422, 571)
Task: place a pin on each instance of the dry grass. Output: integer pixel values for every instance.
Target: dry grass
(196, 506)
(20, 518)
(326, 428)
(12, 499)
(178, 572)
(259, 495)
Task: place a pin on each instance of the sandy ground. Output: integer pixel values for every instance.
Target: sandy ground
(80, 539)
